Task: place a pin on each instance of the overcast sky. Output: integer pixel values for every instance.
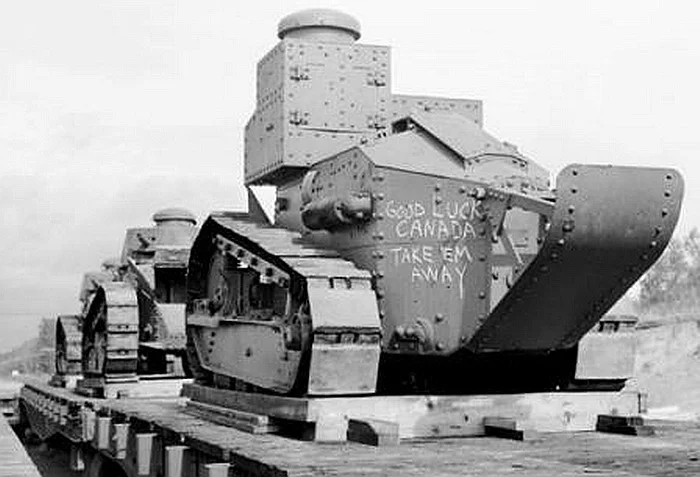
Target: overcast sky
(112, 110)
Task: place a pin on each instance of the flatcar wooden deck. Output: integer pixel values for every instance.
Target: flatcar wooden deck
(213, 449)
(14, 461)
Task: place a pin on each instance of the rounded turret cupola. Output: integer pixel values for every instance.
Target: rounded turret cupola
(175, 227)
(321, 25)
(174, 215)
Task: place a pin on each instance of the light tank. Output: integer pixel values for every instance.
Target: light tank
(132, 320)
(411, 251)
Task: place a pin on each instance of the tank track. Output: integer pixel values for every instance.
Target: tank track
(69, 337)
(332, 329)
(110, 337)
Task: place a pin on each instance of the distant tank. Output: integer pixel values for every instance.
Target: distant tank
(411, 250)
(132, 311)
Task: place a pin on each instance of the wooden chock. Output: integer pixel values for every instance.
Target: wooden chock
(373, 432)
(503, 427)
(627, 425)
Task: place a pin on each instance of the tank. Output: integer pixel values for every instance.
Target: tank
(411, 251)
(132, 317)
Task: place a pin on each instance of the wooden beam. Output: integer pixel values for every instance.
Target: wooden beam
(241, 420)
(435, 416)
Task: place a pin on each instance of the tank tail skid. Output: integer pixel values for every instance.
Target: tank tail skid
(609, 225)
(267, 310)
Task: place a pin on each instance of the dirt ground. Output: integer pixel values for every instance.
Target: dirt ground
(668, 369)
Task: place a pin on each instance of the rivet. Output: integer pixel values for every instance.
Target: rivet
(482, 232)
(494, 275)
(439, 346)
(462, 189)
(482, 295)
(439, 317)
(380, 293)
(463, 339)
(380, 254)
(644, 256)
(653, 244)
(378, 178)
(571, 209)
(438, 199)
(658, 230)
(395, 346)
(567, 227)
(669, 177)
(667, 193)
(379, 196)
(544, 268)
(664, 212)
(574, 172)
(379, 274)
(561, 241)
(554, 255)
(574, 190)
(437, 187)
(482, 258)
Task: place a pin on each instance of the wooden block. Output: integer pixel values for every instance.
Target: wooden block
(102, 430)
(373, 432)
(174, 461)
(331, 428)
(626, 425)
(77, 458)
(144, 452)
(502, 427)
(89, 418)
(120, 434)
(216, 470)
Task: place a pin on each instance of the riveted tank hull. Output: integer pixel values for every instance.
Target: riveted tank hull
(420, 253)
